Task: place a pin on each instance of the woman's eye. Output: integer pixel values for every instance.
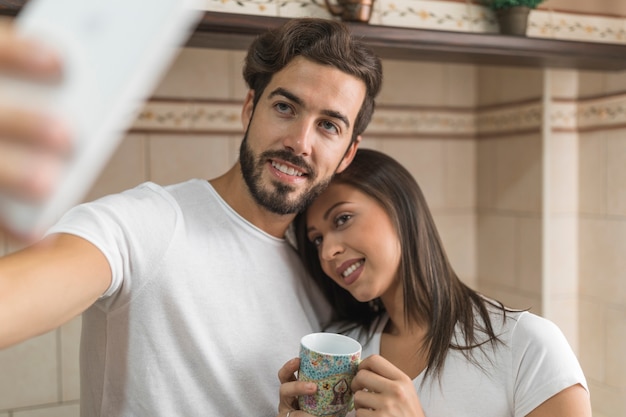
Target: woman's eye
(342, 219)
(316, 241)
(330, 127)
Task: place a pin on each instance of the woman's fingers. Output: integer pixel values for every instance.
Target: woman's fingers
(288, 371)
(382, 387)
(291, 389)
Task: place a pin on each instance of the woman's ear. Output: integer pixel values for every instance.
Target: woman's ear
(247, 109)
(349, 156)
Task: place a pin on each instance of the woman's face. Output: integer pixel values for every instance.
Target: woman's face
(357, 244)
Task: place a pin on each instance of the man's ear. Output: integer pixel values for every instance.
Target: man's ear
(247, 109)
(349, 156)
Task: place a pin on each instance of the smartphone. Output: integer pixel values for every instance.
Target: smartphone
(114, 52)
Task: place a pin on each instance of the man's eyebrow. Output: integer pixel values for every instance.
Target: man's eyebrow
(292, 97)
(287, 94)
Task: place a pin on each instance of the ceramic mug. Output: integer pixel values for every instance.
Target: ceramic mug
(331, 361)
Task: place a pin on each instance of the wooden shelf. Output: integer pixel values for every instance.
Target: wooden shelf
(235, 31)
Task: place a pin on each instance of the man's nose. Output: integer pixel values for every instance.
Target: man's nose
(299, 138)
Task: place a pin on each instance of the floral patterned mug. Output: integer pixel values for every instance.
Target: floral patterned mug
(330, 360)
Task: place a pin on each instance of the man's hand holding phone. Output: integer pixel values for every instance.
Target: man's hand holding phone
(113, 53)
(33, 144)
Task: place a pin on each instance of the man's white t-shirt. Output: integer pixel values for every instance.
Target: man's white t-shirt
(203, 308)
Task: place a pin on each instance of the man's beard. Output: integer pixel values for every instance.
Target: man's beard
(276, 199)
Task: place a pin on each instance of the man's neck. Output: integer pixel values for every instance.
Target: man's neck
(234, 191)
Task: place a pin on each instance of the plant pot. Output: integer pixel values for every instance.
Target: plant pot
(513, 20)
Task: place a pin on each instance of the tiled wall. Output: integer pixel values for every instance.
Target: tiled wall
(522, 168)
(602, 237)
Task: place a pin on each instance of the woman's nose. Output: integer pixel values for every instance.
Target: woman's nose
(331, 247)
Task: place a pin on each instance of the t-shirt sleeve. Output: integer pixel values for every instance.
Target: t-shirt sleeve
(132, 229)
(545, 363)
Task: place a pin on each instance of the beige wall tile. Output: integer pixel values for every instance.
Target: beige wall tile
(564, 313)
(413, 83)
(197, 73)
(602, 262)
(592, 173)
(372, 142)
(508, 84)
(615, 81)
(562, 181)
(519, 83)
(497, 250)
(460, 87)
(486, 173)
(562, 241)
(175, 158)
(238, 85)
(70, 355)
(460, 173)
(591, 83)
(63, 410)
(592, 331)
(489, 79)
(529, 255)
(564, 83)
(519, 174)
(616, 172)
(425, 159)
(616, 346)
(511, 298)
(126, 168)
(29, 373)
(606, 400)
(617, 7)
(458, 234)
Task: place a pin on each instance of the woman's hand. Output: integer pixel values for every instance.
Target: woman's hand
(291, 389)
(380, 389)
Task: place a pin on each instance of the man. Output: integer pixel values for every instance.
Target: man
(191, 297)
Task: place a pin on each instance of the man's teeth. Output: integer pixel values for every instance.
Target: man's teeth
(351, 269)
(286, 170)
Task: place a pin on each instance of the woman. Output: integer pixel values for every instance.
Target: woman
(432, 346)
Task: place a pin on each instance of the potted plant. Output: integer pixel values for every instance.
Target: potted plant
(512, 15)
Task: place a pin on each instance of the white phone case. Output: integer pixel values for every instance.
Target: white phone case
(114, 52)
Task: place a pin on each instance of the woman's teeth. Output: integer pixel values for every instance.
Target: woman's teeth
(352, 268)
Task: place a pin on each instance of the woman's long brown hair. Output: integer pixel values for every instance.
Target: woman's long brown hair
(434, 296)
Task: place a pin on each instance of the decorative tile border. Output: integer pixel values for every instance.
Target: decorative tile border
(424, 14)
(423, 121)
(564, 116)
(602, 112)
(166, 116)
(577, 27)
(254, 7)
(443, 15)
(510, 119)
